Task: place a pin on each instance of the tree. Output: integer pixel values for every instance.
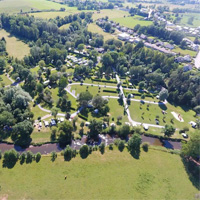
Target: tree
(67, 153)
(84, 98)
(134, 145)
(41, 64)
(37, 157)
(21, 133)
(192, 147)
(121, 145)
(84, 151)
(95, 128)
(163, 95)
(197, 110)
(54, 111)
(53, 133)
(108, 27)
(102, 148)
(98, 102)
(53, 156)
(2, 64)
(80, 47)
(29, 157)
(65, 133)
(169, 130)
(10, 158)
(124, 131)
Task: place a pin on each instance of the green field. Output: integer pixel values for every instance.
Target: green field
(96, 29)
(10, 6)
(154, 110)
(185, 52)
(48, 15)
(196, 21)
(109, 13)
(14, 46)
(114, 175)
(131, 22)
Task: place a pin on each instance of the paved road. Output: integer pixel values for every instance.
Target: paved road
(197, 61)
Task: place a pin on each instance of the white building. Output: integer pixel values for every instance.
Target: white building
(123, 36)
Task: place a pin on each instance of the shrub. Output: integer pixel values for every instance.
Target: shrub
(22, 158)
(53, 156)
(84, 151)
(29, 157)
(95, 148)
(0, 155)
(102, 148)
(110, 146)
(10, 158)
(145, 146)
(67, 153)
(82, 117)
(121, 145)
(74, 153)
(110, 91)
(37, 157)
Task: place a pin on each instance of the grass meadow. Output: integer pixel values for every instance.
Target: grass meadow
(131, 22)
(14, 46)
(11, 6)
(114, 175)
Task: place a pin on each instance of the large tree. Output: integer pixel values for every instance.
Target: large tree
(84, 98)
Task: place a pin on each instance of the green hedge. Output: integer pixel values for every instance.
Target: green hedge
(82, 117)
(111, 91)
(72, 108)
(100, 80)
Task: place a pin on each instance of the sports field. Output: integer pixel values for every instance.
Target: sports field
(114, 175)
(11, 6)
(14, 46)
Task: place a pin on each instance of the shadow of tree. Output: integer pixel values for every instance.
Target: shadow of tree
(193, 172)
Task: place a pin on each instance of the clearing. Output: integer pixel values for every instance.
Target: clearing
(14, 46)
(114, 175)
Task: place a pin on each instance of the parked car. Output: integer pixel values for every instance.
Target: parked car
(184, 135)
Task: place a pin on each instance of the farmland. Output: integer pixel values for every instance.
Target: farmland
(10, 6)
(112, 175)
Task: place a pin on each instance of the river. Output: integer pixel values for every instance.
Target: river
(48, 148)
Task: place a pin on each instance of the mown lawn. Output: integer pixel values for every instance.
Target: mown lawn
(14, 46)
(185, 52)
(131, 22)
(5, 79)
(114, 175)
(148, 116)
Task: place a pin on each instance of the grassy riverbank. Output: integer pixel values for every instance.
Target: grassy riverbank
(114, 175)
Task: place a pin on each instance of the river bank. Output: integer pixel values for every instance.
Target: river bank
(76, 144)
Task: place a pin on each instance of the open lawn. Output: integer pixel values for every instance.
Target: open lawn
(10, 6)
(185, 51)
(66, 26)
(114, 175)
(96, 29)
(109, 13)
(148, 116)
(37, 111)
(42, 136)
(131, 22)
(14, 46)
(5, 79)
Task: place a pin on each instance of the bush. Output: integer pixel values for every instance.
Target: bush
(95, 148)
(22, 158)
(102, 148)
(0, 155)
(53, 156)
(84, 151)
(29, 157)
(67, 153)
(110, 91)
(37, 157)
(82, 117)
(145, 146)
(74, 153)
(10, 158)
(121, 145)
(110, 146)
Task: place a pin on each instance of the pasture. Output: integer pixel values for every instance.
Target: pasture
(14, 46)
(114, 175)
(131, 22)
